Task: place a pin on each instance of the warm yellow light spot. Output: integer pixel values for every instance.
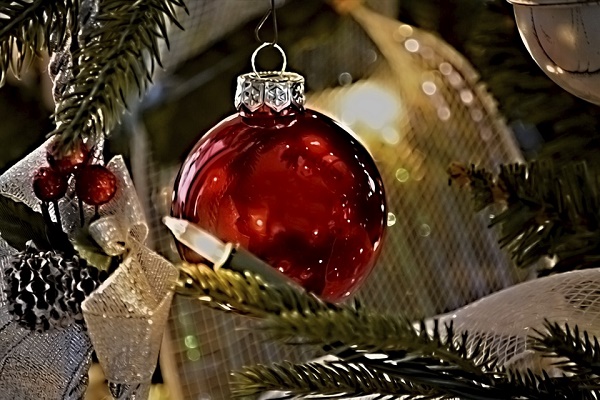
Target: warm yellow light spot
(371, 105)
(191, 342)
(402, 175)
(391, 219)
(412, 45)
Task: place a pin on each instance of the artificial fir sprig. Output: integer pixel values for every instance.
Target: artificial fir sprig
(574, 351)
(27, 27)
(117, 55)
(547, 211)
(246, 294)
(419, 361)
(324, 379)
(420, 378)
(290, 313)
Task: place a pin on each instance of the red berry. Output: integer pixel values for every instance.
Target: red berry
(49, 185)
(95, 184)
(77, 155)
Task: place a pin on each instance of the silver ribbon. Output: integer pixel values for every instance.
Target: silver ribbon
(125, 316)
(48, 365)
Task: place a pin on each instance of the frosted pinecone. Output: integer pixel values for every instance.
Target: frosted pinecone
(45, 289)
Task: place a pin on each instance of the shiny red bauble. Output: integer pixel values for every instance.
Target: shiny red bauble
(49, 185)
(295, 188)
(77, 155)
(95, 184)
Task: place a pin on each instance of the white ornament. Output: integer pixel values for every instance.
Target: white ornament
(563, 37)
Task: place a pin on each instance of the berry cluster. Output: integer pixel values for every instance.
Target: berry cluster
(94, 184)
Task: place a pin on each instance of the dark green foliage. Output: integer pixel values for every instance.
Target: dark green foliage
(117, 58)
(26, 28)
(549, 211)
(377, 354)
(575, 352)
(329, 380)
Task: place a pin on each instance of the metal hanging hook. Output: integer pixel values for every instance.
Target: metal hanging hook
(273, 13)
(262, 46)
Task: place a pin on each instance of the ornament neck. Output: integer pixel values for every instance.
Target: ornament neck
(267, 112)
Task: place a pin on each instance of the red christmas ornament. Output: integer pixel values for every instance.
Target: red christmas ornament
(49, 185)
(95, 185)
(68, 162)
(290, 185)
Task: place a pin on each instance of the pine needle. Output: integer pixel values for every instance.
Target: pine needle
(574, 351)
(547, 211)
(330, 380)
(25, 30)
(117, 58)
(423, 360)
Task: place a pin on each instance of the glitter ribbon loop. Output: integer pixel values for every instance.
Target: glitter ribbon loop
(109, 233)
(125, 316)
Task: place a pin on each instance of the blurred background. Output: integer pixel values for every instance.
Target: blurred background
(421, 82)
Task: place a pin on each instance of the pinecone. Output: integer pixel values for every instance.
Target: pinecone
(45, 289)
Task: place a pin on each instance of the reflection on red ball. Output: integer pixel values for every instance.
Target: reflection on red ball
(298, 191)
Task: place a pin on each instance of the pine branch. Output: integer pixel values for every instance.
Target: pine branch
(246, 294)
(25, 29)
(575, 351)
(548, 211)
(365, 331)
(427, 360)
(289, 314)
(419, 378)
(531, 386)
(330, 380)
(117, 58)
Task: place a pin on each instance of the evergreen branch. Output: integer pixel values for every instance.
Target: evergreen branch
(548, 211)
(527, 385)
(365, 331)
(246, 294)
(425, 360)
(575, 351)
(25, 29)
(329, 380)
(119, 55)
(289, 313)
(421, 378)
(485, 189)
(499, 385)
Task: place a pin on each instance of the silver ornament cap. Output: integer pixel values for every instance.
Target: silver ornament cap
(276, 90)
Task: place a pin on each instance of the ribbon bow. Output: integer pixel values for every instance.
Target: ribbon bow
(125, 316)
